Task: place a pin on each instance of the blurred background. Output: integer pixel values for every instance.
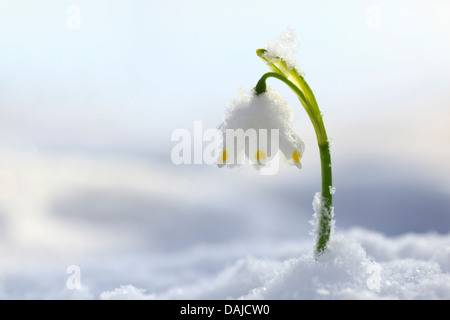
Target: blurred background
(91, 92)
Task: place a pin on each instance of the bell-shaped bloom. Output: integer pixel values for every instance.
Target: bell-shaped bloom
(256, 127)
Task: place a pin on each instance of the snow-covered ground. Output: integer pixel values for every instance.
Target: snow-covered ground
(83, 227)
(414, 266)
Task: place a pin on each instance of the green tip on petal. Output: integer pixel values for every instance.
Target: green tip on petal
(261, 52)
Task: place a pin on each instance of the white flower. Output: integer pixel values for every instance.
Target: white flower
(256, 127)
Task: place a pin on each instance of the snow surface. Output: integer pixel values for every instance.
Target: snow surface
(345, 271)
(231, 234)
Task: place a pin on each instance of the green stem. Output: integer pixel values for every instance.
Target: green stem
(325, 218)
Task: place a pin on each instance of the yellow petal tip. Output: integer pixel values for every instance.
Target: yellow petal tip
(296, 156)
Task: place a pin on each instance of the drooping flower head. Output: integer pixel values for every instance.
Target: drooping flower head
(262, 123)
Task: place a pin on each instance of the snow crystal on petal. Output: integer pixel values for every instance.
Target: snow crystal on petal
(268, 110)
(265, 112)
(286, 47)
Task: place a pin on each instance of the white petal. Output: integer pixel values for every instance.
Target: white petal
(292, 146)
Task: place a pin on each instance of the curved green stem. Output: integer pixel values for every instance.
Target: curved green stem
(310, 105)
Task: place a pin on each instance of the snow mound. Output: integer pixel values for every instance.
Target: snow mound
(345, 271)
(127, 292)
